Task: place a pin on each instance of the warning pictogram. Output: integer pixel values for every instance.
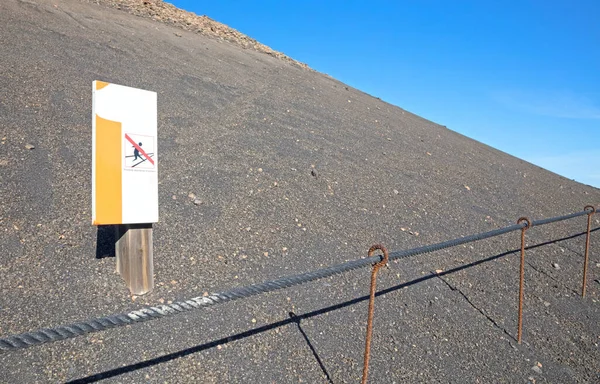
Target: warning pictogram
(139, 152)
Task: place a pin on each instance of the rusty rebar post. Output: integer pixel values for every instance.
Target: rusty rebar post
(587, 248)
(372, 307)
(522, 277)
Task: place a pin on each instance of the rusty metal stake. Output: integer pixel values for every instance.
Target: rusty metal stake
(587, 248)
(372, 307)
(522, 276)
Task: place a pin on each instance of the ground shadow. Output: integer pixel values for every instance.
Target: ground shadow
(313, 350)
(105, 241)
(297, 318)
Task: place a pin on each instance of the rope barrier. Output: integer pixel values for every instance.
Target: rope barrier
(47, 335)
(561, 218)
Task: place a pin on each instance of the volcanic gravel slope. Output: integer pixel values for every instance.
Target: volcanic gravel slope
(288, 170)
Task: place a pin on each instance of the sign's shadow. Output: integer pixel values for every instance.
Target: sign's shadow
(106, 238)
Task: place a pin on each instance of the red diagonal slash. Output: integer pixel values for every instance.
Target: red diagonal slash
(139, 149)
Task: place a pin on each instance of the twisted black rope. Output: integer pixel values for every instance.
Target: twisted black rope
(42, 336)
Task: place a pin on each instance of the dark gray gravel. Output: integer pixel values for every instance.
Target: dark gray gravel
(246, 133)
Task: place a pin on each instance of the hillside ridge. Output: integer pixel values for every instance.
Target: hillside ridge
(164, 12)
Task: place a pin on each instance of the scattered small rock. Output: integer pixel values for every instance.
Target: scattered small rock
(396, 192)
(284, 249)
(314, 173)
(177, 34)
(467, 188)
(536, 369)
(197, 202)
(266, 254)
(439, 270)
(29, 146)
(174, 197)
(191, 195)
(598, 265)
(556, 266)
(547, 304)
(260, 170)
(403, 229)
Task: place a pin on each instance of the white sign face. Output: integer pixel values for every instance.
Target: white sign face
(124, 155)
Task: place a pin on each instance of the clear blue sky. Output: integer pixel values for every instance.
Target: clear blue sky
(521, 76)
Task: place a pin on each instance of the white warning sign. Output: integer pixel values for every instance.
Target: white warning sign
(139, 152)
(124, 155)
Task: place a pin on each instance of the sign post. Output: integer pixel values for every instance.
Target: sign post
(125, 176)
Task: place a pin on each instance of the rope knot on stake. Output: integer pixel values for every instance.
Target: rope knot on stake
(522, 275)
(385, 258)
(376, 268)
(526, 220)
(591, 210)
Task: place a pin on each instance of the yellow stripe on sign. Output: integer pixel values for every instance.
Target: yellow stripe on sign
(101, 84)
(109, 205)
